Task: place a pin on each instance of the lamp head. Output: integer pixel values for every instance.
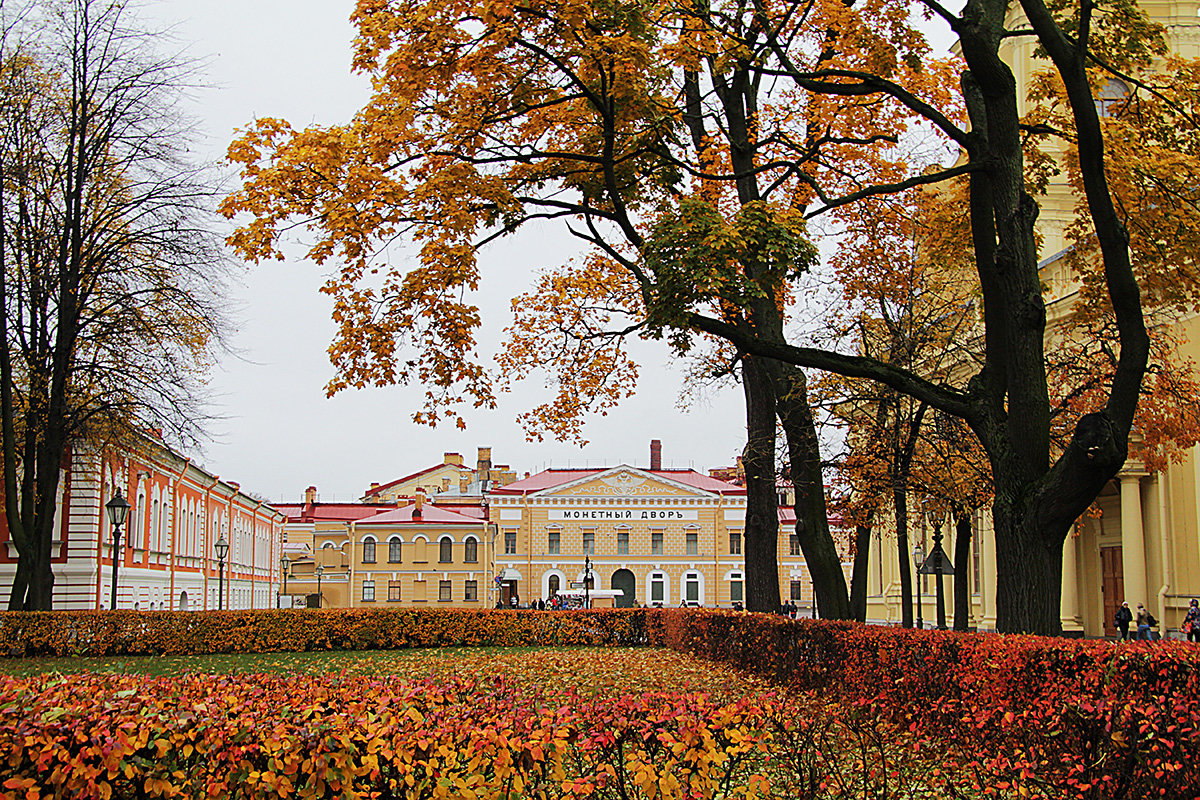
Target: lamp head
(918, 554)
(284, 561)
(320, 570)
(118, 509)
(222, 547)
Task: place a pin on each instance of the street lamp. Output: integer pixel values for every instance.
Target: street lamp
(919, 560)
(938, 555)
(320, 572)
(587, 581)
(222, 548)
(283, 570)
(117, 508)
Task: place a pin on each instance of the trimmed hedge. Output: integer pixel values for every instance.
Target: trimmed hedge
(108, 633)
(1024, 715)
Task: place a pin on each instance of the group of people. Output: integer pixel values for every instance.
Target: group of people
(1146, 623)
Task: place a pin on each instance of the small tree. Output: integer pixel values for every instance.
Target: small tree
(109, 270)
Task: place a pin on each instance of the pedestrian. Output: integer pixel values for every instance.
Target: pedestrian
(1191, 622)
(1122, 619)
(1145, 624)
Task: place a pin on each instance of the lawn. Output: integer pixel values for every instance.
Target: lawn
(601, 671)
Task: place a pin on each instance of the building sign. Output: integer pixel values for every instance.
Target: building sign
(623, 514)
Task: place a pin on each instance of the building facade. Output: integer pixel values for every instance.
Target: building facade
(167, 556)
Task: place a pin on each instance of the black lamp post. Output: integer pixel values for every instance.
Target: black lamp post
(587, 581)
(118, 509)
(938, 519)
(222, 548)
(919, 560)
(283, 570)
(320, 572)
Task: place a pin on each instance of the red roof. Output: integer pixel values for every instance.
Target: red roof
(430, 515)
(303, 512)
(557, 477)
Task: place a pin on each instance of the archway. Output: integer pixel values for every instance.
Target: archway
(183, 606)
(624, 579)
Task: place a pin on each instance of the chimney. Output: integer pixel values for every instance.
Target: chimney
(310, 495)
(464, 484)
(655, 454)
(445, 484)
(419, 499)
(452, 458)
(374, 485)
(484, 466)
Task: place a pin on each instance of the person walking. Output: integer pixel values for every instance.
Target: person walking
(1122, 619)
(1191, 622)
(1145, 624)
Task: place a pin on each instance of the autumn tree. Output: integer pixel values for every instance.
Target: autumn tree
(108, 267)
(726, 125)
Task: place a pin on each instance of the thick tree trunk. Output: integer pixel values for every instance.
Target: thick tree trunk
(761, 551)
(1029, 567)
(858, 579)
(812, 519)
(962, 570)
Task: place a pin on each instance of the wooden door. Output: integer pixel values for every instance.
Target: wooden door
(1112, 584)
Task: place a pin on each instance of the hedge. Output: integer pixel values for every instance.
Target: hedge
(1024, 715)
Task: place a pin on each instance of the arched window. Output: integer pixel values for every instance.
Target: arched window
(446, 550)
(554, 585)
(394, 550)
(471, 550)
(368, 550)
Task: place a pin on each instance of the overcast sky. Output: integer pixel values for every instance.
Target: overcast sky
(277, 432)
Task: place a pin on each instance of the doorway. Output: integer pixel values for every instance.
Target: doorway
(623, 579)
(1112, 585)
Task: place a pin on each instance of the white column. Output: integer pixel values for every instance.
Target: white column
(1069, 604)
(1133, 544)
(987, 566)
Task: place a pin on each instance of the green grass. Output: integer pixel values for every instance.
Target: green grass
(362, 662)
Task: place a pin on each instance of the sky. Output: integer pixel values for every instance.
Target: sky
(274, 431)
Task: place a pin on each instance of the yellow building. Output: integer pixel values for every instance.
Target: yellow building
(1145, 548)
(655, 536)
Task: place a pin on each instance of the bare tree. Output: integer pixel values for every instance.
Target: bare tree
(110, 268)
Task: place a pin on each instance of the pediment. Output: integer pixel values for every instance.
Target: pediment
(624, 482)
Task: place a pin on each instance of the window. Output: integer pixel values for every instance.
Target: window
(419, 595)
(735, 589)
(393, 591)
(794, 545)
(471, 550)
(471, 591)
(735, 543)
(782, 499)
(795, 590)
(656, 542)
(553, 585)
(553, 543)
(369, 551)
(589, 542)
(368, 591)
(622, 542)
(691, 587)
(693, 543)
(446, 550)
(510, 542)
(444, 589)
(658, 589)
(393, 551)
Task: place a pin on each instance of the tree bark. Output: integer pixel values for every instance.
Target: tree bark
(962, 570)
(858, 579)
(761, 552)
(812, 517)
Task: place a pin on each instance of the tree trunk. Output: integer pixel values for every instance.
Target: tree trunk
(858, 579)
(900, 500)
(812, 519)
(962, 570)
(761, 552)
